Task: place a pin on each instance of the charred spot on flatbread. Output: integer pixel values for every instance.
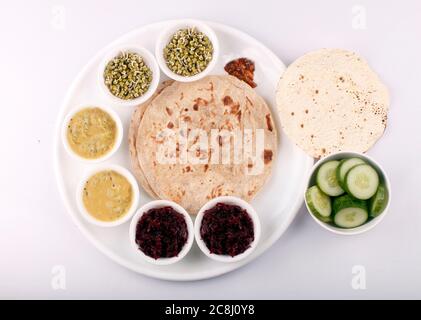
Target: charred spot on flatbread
(267, 156)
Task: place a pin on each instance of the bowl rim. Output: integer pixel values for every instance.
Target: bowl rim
(149, 60)
(169, 31)
(382, 173)
(233, 201)
(104, 167)
(159, 204)
(109, 154)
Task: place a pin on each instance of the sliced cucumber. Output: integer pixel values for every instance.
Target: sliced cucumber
(344, 166)
(362, 181)
(326, 179)
(378, 202)
(349, 212)
(319, 204)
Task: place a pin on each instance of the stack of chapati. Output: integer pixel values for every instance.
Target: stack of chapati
(221, 104)
(331, 100)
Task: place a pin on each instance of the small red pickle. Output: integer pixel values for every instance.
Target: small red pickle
(161, 233)
(227, 230)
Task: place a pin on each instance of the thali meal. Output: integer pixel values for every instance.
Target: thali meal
(227, 229)
(194, 140)
(107, 196)
(188, 52)
(127, 76)
(331, 100)
(347, 193)
(161, 233)
(91, 133)
(196, 121)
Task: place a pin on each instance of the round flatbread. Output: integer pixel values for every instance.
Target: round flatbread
(330, 100)
(196, 169)
(132, 135)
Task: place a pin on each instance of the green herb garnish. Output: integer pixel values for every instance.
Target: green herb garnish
(188, 52)
(127, 76)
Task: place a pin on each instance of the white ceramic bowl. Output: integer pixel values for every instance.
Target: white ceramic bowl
(232, 201)
(106, 156)
(149, 60)
(165, 37)
(160, 204)
(135, 188)
(382, 175)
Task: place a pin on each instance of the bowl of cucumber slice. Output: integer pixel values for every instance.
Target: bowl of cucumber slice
(348, 193)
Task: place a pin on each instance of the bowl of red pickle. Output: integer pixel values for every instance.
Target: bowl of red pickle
(227, 229)
(162, 232)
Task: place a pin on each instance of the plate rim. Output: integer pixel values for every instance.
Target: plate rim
(206, 274)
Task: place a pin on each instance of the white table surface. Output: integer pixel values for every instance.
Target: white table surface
(41, 54)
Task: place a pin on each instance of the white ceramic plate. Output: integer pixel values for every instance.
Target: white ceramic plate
(277, 204)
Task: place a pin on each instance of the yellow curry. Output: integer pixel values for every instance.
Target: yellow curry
(107, 196)
(91, 133)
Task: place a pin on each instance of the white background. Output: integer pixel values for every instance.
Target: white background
(38, 61)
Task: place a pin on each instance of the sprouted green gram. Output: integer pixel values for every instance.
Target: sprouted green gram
(189, 52)
(127, 76)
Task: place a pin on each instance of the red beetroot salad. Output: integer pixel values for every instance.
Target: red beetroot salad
(227, 229)
(161, 233)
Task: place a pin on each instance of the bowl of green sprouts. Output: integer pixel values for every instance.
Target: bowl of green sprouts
(129, 75)
(187, 50)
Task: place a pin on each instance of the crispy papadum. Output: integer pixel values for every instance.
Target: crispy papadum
(330, 100)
